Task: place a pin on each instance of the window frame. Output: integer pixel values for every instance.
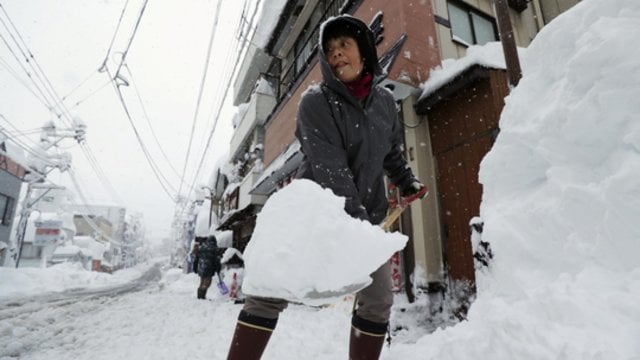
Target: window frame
(470, 12)
(6, 211)
(305, 46)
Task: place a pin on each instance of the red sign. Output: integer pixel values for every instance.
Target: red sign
(396, 272)
(47, 232)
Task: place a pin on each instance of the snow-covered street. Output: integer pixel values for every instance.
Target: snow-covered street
(163, 320)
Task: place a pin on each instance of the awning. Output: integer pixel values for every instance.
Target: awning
(459, 81)
(232, 218)
(279, 169)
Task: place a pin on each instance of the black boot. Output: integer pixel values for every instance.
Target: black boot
(366, 339)
(251, 337)
(202, 293)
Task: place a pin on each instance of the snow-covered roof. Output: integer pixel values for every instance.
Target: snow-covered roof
(68, 250)
(14, 152)
(269, 15)
(93, 247)
(489, 55)
(224, 238)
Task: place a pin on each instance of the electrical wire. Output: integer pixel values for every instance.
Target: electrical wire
(65, 113)
(164, 183)
(24, 146)
(215, 123)
(133, 35)
(20, 80)
(200, 92)
(221, 102)
(77, 103)
(89, 221)
(79, 85)
(31, 60)
(102, 176)
(147, 118)
(44, 99)
(113, 38)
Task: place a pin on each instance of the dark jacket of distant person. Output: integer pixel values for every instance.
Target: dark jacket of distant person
(208, 259)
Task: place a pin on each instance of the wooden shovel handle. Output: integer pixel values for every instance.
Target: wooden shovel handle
(399, 208)
(392, 217)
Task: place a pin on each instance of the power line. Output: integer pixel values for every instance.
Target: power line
(56, 98)
(221, 103)
(164, 183)
(21, 81)
(217, 117)
(102, 176)
(113, 38)
(77, 103)
(133, 34)
(146, 116)
(79, 85)
(37, 69)
(89, 221)
(200, 92)
(159, 176)
(44, 99)
(22, 144)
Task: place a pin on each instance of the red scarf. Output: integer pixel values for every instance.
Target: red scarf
(360, 88)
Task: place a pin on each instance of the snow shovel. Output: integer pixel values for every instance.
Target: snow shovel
(224, 290)
(396, 208)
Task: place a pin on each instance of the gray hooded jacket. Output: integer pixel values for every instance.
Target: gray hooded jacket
(349, 145)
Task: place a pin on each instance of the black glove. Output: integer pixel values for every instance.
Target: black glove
(415, 188)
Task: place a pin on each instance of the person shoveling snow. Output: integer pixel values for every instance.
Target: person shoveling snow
(350, 136)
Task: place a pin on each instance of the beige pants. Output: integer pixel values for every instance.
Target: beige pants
(374, 301)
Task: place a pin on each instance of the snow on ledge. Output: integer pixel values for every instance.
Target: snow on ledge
(489, 55)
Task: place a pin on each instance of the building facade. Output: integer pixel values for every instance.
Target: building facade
(12, 175)
(446, 133)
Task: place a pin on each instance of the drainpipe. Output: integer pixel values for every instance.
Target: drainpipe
(505, 29)
(537, 13)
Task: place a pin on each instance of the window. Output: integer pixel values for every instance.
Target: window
(6, 209)
(304, 48)
(471, 26)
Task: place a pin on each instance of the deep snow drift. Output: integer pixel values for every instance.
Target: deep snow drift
(561, 201)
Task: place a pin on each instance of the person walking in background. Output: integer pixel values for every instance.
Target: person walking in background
(208, 264)
(350, 136)
(193, 254)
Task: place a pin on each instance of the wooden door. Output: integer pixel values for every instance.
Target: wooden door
(463, 128)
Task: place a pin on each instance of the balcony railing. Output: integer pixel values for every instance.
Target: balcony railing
(258, 109)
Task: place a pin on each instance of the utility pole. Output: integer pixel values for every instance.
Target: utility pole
(200, 201)
(26, 211)
(49, 138)
(183, 230)
(505, 30)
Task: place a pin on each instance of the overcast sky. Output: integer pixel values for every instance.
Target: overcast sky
(69, 40)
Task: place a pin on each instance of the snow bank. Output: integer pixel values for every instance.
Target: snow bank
(561, 201)
(24, 282)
